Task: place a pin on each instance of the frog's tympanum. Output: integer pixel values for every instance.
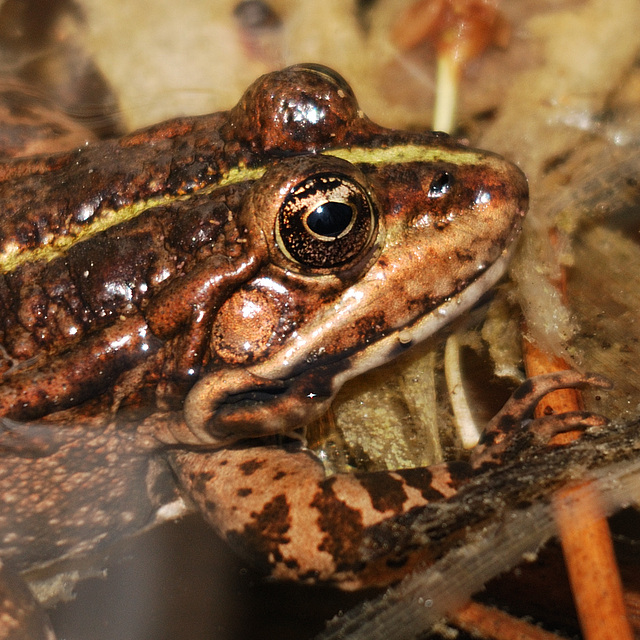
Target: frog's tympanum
(181, 292)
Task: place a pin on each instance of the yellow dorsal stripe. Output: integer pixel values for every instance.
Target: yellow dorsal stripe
(404, 153)
(14, 256)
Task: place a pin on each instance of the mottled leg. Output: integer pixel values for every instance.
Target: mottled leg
(277, 508)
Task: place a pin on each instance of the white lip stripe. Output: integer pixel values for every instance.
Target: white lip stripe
(381, 351)
(385, 349)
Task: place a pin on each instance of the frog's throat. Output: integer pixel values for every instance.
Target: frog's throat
(236, 403)
(394, 344)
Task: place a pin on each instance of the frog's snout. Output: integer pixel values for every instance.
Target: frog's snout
(501, 201)
(519, 185)
(501, 184)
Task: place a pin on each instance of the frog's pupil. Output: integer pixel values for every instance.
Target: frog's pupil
(330, 219)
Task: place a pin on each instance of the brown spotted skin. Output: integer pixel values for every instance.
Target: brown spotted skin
(294, 523)
(160, 301)
(69, 490)
(193, 262)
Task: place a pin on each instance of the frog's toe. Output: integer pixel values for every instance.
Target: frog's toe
(527, 396)
(505, 431)
(546, 427)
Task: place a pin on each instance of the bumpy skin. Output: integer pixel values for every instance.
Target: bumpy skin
(153, 296)
(160, 266)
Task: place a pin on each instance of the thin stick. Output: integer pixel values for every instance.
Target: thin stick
(466, 426)
(447, 81)
(591, 564)
(492, 624)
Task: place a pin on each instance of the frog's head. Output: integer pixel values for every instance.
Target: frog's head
(368, 245)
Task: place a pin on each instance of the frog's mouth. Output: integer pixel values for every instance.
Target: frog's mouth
(236, 403)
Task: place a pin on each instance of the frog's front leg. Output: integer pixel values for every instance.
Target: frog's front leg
(278, 509)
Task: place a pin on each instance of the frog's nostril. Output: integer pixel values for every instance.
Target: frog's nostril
(441, 184)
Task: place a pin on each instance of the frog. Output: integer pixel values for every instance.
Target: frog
(178, 299)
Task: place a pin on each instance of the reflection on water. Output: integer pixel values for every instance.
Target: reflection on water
(181, 582)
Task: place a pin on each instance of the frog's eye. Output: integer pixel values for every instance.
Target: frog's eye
(441, 185)
(325, 221)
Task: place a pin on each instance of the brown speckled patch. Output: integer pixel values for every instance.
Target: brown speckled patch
(342, 527)
(251, 466)
(99, 485)
(261, 539)
(387, 492)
